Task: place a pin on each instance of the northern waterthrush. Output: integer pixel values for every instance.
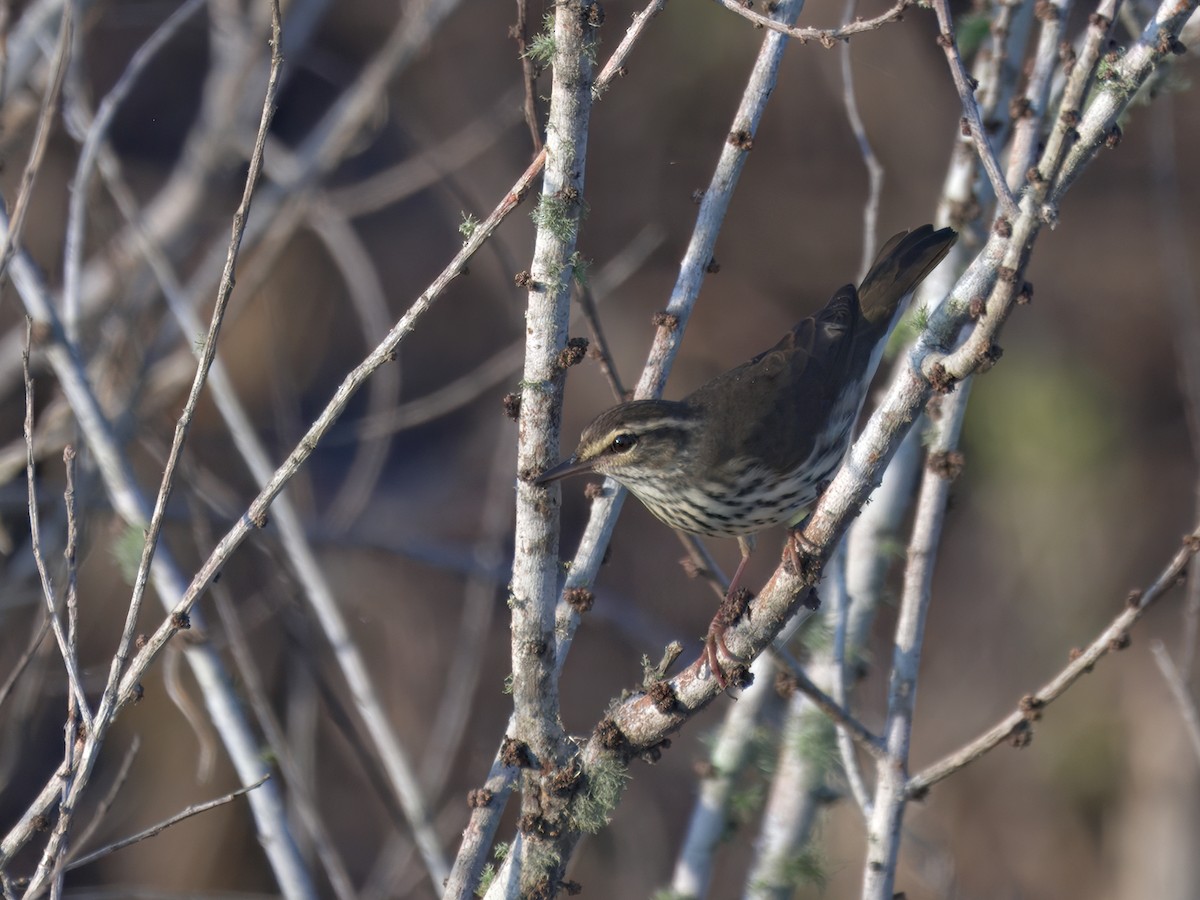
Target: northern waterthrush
(753, 447)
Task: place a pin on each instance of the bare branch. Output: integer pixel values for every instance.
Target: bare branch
(65, 646)
(972, 118)
(12, 235)
(1114, 637)
(827, 37)
(155, 830)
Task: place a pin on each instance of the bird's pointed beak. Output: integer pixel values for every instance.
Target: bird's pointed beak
(569, 466)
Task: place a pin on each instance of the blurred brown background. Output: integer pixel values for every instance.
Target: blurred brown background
(1080, 475)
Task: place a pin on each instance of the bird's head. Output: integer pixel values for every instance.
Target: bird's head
(632, 442)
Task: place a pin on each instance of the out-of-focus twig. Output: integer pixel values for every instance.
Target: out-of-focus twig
(162, 826)
(1183, 698)
(520, 32)
(406, 178)
(106, 802)
(130, 504)
(1181, 295)
(870, 160)
(24, 659)
(12, 235)
(731, 752)
(97, 133)
(298, 789)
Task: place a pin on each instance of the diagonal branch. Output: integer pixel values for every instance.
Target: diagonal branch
(1017, 725)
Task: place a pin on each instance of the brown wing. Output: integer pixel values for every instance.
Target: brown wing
(777, 401)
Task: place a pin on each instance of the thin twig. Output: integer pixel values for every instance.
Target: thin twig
(502, 364)
(838, 595)
(106, 802)
(870, 160)
(841, 716)
(1181, 293)
(409, 176)
(71, 727)
(1018, 723)
(1179, 692)
(97, 133)
(972, 118)
(494, 370)
(70, 662)
(463, 670)
(69, 554)
(162, 826)
(600, 349)
(520, 32)
(702, 564)
(827, 37)
(368, 295)
(24, 660)
(41, 138)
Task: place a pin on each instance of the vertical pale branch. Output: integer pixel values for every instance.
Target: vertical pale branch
(883, 834)
(709, 822)
(535, 564)
(799, 779)
(803, 780)
(1029, 109)
(692, 269)
(582, 571)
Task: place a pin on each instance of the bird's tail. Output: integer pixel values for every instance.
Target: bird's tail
(901, 265)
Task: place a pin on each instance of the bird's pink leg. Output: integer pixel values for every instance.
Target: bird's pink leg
(731, 610)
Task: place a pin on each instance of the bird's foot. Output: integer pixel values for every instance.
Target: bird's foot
(732, 608)
(804, 556)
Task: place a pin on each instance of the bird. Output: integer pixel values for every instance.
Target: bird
(754, 447)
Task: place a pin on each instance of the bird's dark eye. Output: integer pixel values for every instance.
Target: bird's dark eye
(623, 443)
